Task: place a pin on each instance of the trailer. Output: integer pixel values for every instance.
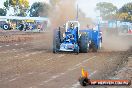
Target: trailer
(73, 39)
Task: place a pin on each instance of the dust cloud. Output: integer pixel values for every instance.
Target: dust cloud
(66, 10)
(116, 42)
(63, 11)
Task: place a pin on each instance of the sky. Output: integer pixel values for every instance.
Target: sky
(87, 6)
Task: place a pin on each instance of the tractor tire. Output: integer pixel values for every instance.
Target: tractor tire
(21, 27)
(6, 26)
(83, 43)
(77, 50)
(56, 41)
(93, 47)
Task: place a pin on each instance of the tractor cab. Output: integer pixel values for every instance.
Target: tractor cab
(72, 31)
(72, 25)
(70, 38)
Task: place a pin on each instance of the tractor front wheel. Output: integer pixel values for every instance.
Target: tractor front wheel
(56, 41)
(77, 50)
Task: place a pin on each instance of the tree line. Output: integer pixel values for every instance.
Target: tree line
(107, 10)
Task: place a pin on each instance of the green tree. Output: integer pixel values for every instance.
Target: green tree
(126, 8)
(106, 9)
(39, 9)
(125, 12)
(3, 12)
(6, 4)
(20, 6)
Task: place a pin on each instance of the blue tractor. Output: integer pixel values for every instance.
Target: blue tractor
(75, 40)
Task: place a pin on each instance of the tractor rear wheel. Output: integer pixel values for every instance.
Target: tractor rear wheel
(83, 43)
(77, 50)
(93, 47)
(56, 41)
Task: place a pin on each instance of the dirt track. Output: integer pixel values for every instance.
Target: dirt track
(33, 65)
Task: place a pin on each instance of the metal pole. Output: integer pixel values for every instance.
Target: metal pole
(77, 13)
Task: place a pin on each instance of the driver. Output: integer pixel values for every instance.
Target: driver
(72, 26)
(70, 29)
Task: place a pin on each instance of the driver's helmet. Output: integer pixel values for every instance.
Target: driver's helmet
(72, 26)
